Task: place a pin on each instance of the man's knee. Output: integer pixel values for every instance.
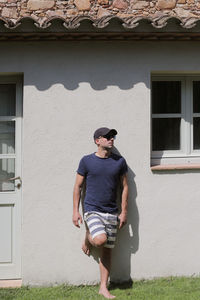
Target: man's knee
(100, 240)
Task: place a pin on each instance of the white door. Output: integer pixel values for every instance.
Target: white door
(10, 176)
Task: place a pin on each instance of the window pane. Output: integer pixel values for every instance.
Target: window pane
(166, 97)
(166, 134)
(7, 99)
(7, 170)
(7, 137)
(196, 96)
(196, 133)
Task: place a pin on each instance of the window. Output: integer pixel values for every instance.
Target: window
(175, 120)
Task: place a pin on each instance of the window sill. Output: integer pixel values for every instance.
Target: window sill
(175, 167)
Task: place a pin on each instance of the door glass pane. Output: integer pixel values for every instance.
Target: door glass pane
(7, 137)
(196, 133)
(196, 96)
(7, 170)
(166, 134)
(166, 97)
(7, 99)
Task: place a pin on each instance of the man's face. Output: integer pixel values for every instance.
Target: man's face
(106, 141)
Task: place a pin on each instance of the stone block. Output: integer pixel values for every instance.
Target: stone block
(82, 4)
(120, 4)
(166, 4)
(135, 4)
(40, 4)
(55, 13)
(9, 13)
(103, 2)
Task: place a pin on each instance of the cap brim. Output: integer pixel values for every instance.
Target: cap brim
(112, 131)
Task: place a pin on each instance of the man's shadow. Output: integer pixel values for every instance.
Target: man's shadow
(127, 242)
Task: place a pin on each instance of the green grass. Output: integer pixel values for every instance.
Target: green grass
(173, 288)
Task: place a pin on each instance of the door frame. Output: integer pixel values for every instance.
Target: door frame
(14, 269)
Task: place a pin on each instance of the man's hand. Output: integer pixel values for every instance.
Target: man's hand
(76, 219)
(122, 220)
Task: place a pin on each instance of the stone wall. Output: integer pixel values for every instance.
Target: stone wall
(42, 10)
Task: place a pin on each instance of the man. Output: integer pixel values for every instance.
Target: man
(102, 171)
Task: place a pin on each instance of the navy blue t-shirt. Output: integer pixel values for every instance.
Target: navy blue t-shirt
(102, 176)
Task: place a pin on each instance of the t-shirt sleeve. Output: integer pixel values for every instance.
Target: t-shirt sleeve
(82, 168)
(124, 167)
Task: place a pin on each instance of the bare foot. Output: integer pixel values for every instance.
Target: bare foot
(86, 244)
(105, 292)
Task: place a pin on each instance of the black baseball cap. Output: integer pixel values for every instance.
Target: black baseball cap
(104, 131)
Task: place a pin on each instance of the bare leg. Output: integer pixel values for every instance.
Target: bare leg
(86, 246)
(98, 241)
(105, 265)
(104, 262)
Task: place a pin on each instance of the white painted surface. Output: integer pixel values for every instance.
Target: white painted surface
(6, 234)
(10, 194)
(70, 89)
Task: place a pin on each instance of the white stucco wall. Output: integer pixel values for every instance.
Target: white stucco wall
(70, 89)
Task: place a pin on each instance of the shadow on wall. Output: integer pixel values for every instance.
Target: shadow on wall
(99, 64)
(128, 237)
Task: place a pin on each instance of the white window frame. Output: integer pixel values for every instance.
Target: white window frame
(186, 154)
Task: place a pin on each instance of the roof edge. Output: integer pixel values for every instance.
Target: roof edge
(127, 23)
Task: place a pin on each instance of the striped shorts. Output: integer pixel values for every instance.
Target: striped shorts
(99, 223)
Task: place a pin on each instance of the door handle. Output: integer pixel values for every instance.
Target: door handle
(14, 178)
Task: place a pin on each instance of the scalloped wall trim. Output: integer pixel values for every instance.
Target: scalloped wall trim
(126, 23)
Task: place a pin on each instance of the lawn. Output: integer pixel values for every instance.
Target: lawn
(173, 288)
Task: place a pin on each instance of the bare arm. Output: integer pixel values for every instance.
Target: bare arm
(76, 200)
(124, 202)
